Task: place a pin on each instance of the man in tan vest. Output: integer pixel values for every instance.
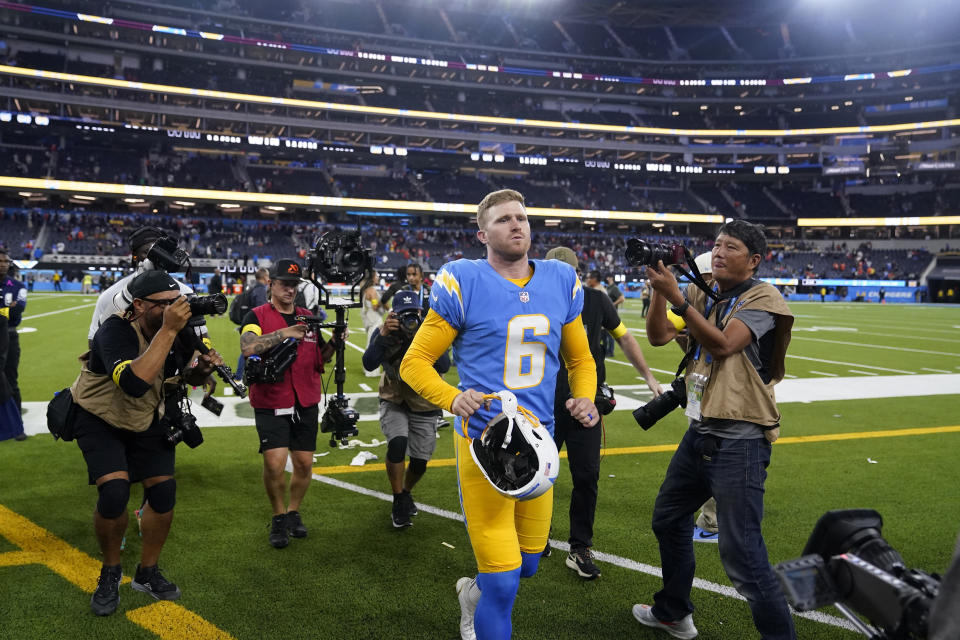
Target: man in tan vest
(127, 396)
(737, 347)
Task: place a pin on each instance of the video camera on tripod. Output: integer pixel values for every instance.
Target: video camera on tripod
(338, 256)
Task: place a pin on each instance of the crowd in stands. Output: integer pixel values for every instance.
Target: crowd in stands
(253, 242)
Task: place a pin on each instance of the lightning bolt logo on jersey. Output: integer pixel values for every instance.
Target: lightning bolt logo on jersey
(509, 336)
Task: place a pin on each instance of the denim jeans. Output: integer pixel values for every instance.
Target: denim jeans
(733, 473)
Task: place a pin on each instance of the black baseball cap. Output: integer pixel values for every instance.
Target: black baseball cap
(405, 300)
(151, 282)
(145, 235)
(286, 270)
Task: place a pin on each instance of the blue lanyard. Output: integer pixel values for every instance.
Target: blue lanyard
(706, 314)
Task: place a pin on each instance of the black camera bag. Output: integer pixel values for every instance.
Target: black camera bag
(60, 415)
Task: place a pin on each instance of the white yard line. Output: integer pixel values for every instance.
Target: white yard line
(935, 370)
(349, 344)
(365, 386)
(609, 558)
(851, 364)
(627, 364)
(875, 346)
(865, 373)
(824, 373)
(53, 313)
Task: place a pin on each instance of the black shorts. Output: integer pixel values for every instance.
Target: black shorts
(297, 432)
(106, 449)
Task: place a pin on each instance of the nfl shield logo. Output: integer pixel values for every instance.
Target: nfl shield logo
(524, 296)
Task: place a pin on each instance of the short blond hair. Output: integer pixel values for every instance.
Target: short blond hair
(494, 198)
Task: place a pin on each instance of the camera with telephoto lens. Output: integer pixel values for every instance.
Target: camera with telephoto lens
(848, 564)
(409, 320)
(640, 253)
(339, 420)
(182, 427)
(676, 396)
(166, 255)
(212, 305)
(606, 401)
(270, 367)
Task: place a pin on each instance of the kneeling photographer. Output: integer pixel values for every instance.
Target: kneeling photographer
(739, 333)
(407, 420)
(284, 361)
(130, 412)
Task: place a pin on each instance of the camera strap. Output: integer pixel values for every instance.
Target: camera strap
(695, 277)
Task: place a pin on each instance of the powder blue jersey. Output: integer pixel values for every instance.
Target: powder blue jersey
(508, 336)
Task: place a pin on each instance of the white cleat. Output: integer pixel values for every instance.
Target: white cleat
(468, 607)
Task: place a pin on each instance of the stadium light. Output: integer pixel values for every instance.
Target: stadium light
(316, 202)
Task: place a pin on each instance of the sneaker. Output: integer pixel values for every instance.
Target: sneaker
(546, 551)
(411, 505)
(468, 607)
(581, 561)
(702, 535)
(279, 536)
(400, 515)
(682, 628)
(295, 525)
(107, 595)
(150, 580)
(20, 437)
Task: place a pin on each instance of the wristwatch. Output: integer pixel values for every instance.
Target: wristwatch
(682, 309)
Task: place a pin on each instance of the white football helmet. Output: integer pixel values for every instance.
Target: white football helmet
(516, 453)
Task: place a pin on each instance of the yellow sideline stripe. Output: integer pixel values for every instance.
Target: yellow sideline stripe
(170, 621)
(38, 546)
(661, 448)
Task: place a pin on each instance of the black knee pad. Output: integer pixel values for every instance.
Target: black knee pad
(418, 466)
(162, 496)
(114, 495)
(397, 449)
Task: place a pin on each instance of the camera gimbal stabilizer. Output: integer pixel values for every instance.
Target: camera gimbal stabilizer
(338, 256)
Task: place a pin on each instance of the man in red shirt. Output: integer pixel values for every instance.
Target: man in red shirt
(286, 407)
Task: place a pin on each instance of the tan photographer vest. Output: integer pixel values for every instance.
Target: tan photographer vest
(101, 396)
(735, 390)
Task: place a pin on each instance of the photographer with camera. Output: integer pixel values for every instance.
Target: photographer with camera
(284, 360)
(128, 406)
(144, 257)
(407, 420)
(735, 356)
(600, 319)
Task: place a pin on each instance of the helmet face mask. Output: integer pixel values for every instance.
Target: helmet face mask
(517, 457)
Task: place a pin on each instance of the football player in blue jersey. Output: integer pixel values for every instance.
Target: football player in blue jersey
(509, 319)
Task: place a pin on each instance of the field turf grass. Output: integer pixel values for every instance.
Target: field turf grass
(355, 576)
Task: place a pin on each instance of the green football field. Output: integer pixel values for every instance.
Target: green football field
(869, 420)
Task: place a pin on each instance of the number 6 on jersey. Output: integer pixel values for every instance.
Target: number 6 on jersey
(525, 362)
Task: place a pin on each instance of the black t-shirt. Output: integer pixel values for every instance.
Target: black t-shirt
(599, 315)
(116, 342)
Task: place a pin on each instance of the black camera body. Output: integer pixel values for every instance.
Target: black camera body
(641, 253)
(409, 321)
(605, 401)
(848, 564)
(269, 368)
(339, 256)
(183, 428)
(166, 255)
(339, 420)
(212, 305)
(676, 396)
